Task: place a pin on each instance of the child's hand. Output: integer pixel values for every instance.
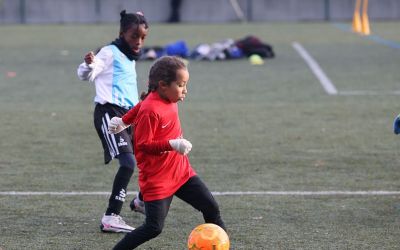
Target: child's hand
(116, 125)
(182, 146)
(89, 58)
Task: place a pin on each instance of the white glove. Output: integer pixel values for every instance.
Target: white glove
(116, 125)
(182, 146)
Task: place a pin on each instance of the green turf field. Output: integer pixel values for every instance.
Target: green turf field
(269, 128)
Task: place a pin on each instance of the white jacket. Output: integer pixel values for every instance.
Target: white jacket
(114, 76)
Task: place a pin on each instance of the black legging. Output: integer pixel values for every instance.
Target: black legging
(127, 164)
(194, 192)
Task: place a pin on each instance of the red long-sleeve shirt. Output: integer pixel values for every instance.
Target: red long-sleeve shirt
(162, 171)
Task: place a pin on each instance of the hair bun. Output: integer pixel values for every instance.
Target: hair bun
(122, 14)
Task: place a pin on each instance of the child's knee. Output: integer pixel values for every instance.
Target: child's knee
(211, 210)
(154, 230)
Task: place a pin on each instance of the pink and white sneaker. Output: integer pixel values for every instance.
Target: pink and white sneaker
(114, 224)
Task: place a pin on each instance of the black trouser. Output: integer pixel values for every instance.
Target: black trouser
(193, 192)
(175, 16)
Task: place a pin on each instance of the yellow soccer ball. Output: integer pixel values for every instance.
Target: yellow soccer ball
(256, 60)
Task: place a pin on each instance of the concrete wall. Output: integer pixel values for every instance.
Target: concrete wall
(205, 11)
(288, 10)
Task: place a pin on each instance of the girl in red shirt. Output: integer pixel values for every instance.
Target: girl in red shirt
(161, 153)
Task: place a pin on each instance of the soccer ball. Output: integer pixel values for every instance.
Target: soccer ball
(208, 237)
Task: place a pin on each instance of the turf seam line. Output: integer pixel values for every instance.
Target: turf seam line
(316, 69)
(374, 38)
(367, 92)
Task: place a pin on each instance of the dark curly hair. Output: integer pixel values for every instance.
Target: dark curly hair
(163, 69)
(129, 19)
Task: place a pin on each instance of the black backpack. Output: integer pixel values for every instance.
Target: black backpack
(251, 45)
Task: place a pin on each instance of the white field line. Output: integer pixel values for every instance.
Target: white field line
(227, 193)
(316, 69)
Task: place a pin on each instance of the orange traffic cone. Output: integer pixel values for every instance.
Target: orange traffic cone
(357, 18)
(365, 30)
